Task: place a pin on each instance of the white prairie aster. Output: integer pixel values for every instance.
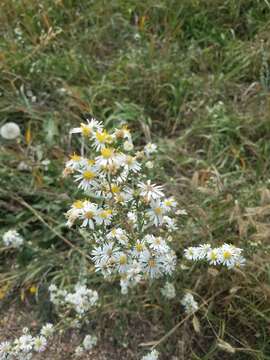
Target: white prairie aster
(131, 164)
(87, 129)
(150, 191)
(88, 213)
(156, 213)
(40, 343)
(87, 178)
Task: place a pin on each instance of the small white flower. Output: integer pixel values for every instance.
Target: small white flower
(47, 330)
(189, 303)
(156, 213)
(168, 291)
(150, 149)
(10, 131)
(12, 238)
(149, 164)
(89, 342)
(150, 191)
(40, 343)
(128, 145)
(88, 213)
(153, 355)
(87, 129)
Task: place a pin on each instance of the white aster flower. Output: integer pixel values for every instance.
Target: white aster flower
(12, 238)
(86, 178)
(189, 303)
(109, 159)
(156, 213)
(150, 191)
(104, 253)
(203, 251)
(40, 343)
(10, 131)
(87, 129)
(151, 266)
(213, 256)
(150, 149)
(103, 216)
(191, 253)
(228, 255)
(88, 214)
(119, 234)
(170, 223)
(101, 139)
(131, 164)
(169, 203)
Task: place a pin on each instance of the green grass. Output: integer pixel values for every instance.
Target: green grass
(192, 75)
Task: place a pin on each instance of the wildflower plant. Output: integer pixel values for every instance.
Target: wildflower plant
(26, 346)
(128, 218)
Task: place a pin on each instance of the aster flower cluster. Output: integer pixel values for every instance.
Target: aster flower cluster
(227, 255)
(88, 343)
(12, 238)
(81, 300)
(189, 303)
(24, 347)
(128, 217)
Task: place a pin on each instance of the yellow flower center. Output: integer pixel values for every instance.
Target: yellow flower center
(107, 153)
(139, 247)
(129, 160)
(168, 202)
(213, 256)
(152, 263)
(89, 214)
(78, 204)
(115, 189)
(227, 255)
(122, 260)
(88, 175)
(91, 162)
(105, 214)
(103, 137)
(86, 130)
(75, 157)
(158, 210)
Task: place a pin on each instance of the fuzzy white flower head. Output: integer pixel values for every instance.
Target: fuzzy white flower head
(47, 330)
(168, 291)
(149, 164)
(10, 131)
(189, 303)
(153, 355)
(12, 238)
(128, 145)
(89, 342)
